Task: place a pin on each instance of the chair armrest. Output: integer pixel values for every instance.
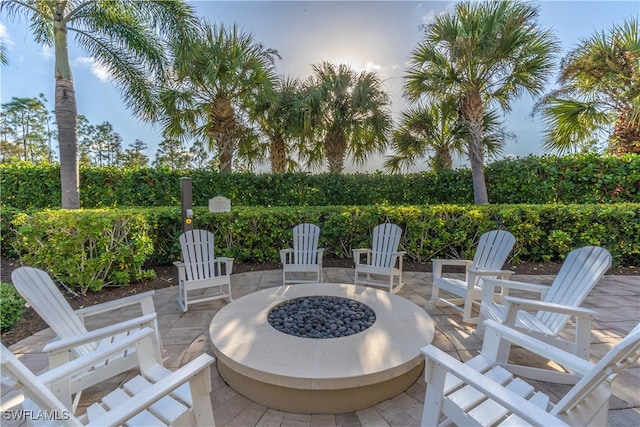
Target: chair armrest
(489, 285)
(357, 253)
(526, 304)
(145, 300)
(285, 255)
(228, 264)
(398, 257)
(500, 273)
(528, 411)
(563, 358)
(464, 262)
(182, 271)
(361, 251)
(120, 414)
(320, 253)
(98, 334)
(90, 360)
(513, 284)
(438, 263)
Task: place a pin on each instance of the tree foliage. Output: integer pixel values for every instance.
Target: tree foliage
(126, 37)
(26, 130)
(599, 95)
(220, 77)
(282, 122)
(437, 131)
(347, 115)
(485, 55)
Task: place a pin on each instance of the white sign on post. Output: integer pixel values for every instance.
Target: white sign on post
(219, 204)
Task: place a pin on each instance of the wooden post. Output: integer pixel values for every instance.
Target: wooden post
(186, 201)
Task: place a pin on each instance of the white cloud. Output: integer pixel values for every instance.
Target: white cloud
(429, 18)
(432, 14)
(47, 51)
(96, 69)
(372, 67)
(4, 36)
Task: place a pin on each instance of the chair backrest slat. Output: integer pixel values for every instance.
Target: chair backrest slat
(198, 254)
(493, 249)
(39, 291)
(579, 274)
(305, 243)
(386, 239)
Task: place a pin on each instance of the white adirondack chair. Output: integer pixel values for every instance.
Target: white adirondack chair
(304, 257)
(201, 270)
(39, 291)
(383, 260)
(559, 302)
(156, 397)
(491, 254)
(481, 392)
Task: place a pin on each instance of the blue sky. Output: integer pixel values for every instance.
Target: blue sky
(368, 35)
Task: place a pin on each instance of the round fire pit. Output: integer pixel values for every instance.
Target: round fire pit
(329, 375)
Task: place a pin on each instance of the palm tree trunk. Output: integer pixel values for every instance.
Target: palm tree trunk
(335, 147)
(66, 117)
(626, 135)
(472, 113)
(442, 159)
(225, 131)
(477, 170)
(225, 155)
(278, 155)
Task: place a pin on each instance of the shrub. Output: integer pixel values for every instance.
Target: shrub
(11, 306)
(85, 250)
(576, 179)
(543, 233)
(92, 248)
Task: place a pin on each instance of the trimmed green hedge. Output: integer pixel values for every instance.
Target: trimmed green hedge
(85, 249)
(88, 249)
(534, 180)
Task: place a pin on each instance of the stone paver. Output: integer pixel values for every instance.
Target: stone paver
(185, 336)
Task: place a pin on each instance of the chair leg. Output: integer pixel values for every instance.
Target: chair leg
(182, 303)
(466, 316)
(230, 299)
(434, 294)
(434, 400)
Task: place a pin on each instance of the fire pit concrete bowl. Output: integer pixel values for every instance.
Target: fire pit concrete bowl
(331, 375)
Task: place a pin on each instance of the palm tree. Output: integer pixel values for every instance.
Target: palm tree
(348, 114)
(282, 121)
(221, 77)
(123, 36)
(485, 54)
(599, 94)
(436, 128)
(423, 129)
